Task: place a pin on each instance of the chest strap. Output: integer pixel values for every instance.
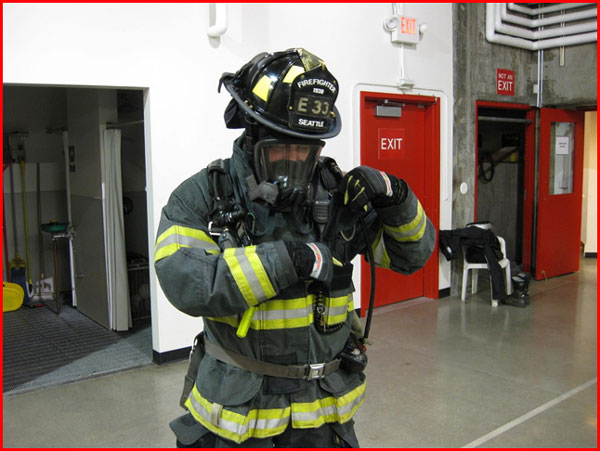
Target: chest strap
(308, 371)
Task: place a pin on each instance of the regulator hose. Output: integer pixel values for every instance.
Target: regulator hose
(372, 266)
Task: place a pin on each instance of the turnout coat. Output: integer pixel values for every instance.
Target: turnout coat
(201, 279)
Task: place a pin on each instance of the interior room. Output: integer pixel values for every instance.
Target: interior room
(61, 342)
(120, 253)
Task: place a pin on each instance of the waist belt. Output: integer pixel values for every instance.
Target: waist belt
(308, 371)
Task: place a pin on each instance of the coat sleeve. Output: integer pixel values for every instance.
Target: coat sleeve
(407, 237)
(201, 279)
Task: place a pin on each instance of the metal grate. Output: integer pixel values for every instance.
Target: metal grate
(42, 349)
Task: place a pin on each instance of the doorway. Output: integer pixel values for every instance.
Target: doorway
(504, 167)
(56, 142)
(533, 201)
(400, 134)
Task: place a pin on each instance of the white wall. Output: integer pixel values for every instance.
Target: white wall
(164, 47)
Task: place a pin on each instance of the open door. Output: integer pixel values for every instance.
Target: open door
(559, 192)
(87, 110)
(400, 135)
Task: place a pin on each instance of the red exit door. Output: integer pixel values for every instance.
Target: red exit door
(400, 135)
(559, 192)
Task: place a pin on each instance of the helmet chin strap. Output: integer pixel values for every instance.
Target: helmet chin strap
(252, 136)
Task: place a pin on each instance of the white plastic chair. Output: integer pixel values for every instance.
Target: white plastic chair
(467, 266)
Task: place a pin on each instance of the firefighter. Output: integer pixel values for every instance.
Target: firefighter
(260, 246)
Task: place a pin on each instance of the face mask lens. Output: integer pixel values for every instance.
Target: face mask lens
(286, 164)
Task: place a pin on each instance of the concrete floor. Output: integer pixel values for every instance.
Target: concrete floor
(441, 374)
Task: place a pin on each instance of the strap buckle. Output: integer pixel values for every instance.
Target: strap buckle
(315, 371)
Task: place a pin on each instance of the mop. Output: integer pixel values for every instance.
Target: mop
(5, 242)
(44, 287)
(17, 264)
(28, 285)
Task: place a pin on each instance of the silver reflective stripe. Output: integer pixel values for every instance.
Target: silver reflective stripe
(280, 314)
(187, 241)
(327, 411)
(335, 311)
(380, 255)
(250, 274)
(413, 231)
(239, 430)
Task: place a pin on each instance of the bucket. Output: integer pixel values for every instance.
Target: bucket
(12, 296)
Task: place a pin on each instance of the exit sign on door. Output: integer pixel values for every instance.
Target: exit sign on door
(505, 82)
(391, 145)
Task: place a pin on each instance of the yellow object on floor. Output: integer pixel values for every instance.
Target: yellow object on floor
(12, 296)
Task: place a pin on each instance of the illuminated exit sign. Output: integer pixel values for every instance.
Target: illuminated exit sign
(406, 30)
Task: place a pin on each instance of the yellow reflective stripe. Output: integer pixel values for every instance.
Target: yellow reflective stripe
(338, 301)
(292, 313)
(293, 73)
(267, 324)
(249, 274)
(283, 323)
(283, 314)
(380, 254)
(336, 319)
(166, 251)
(262, 88)
(261, 274)
(259, 423)
(185, 231)
(177, 237)
(337, 309)
(174, 247)
(287, 304)
(351, 302)
(413, 231)
(328, 410)
(239, 277)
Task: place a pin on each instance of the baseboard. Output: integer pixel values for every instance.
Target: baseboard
(170, 356)
(444, 293)
(591, 255)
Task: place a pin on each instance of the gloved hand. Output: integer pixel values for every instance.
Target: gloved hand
(364, 184)
(311, 260)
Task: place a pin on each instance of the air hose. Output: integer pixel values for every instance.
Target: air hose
(372, 266)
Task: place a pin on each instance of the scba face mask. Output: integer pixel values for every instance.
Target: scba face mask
(287, 166)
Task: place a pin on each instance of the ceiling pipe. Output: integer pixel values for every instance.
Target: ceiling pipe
(493, 20)
(545, 9)
(535, 23)
(219, 28)
(501, 27)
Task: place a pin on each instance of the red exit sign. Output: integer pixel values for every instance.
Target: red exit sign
(408, 25)
(505, 82)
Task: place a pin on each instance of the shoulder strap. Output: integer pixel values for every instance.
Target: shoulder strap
(329, 175)
(226, 215)
(220, 184)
